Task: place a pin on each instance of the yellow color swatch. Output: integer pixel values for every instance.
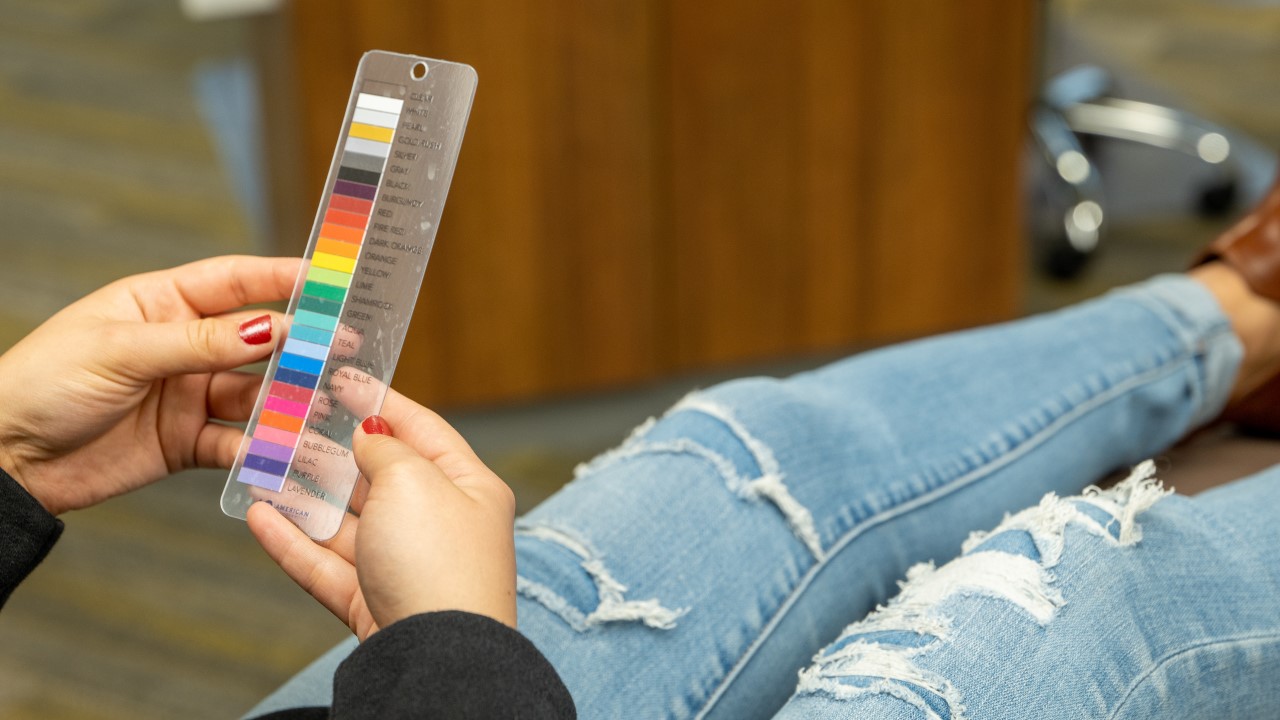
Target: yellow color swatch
(371, 132)
(333, 262)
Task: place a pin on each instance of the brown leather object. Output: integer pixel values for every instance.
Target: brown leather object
(1213, 457)
(1257, 413)
(1252, 247)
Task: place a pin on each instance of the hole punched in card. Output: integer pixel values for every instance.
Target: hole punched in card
(352, 303)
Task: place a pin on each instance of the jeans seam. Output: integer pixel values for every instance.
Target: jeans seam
(1173, 363)
(1140, 680)
(1201, 336)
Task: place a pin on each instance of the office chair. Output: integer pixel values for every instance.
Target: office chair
(1068, 210)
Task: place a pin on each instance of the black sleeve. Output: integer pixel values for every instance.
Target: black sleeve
(435, 665)
(27, 532)
(449, 665)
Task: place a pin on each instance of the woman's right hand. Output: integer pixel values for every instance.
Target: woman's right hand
(434, 530)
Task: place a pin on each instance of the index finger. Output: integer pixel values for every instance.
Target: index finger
(431, 435)
(423, 430)
(216, 285)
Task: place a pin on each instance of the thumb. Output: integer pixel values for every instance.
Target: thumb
(160, 350)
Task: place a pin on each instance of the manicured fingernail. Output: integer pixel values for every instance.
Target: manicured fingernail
(256, 331)
(375, 425)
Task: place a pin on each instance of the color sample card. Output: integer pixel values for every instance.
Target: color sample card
(351, 307)
(342, 230)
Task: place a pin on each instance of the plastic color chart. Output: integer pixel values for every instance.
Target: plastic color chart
(351, 307)
(364, 155)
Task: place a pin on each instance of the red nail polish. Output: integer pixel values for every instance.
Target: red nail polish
(256, 331)
(375, 425)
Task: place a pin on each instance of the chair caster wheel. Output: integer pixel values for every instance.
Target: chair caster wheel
(1061, 260)
(1217, 199)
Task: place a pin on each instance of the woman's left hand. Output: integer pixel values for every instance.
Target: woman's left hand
(119, 389)
(433, 531)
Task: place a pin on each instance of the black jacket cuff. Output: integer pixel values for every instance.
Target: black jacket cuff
(27, 533)
(449, 665)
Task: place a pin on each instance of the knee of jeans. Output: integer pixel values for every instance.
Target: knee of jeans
(703, 435)
(710, 427)
(890, 654)
(566, 575)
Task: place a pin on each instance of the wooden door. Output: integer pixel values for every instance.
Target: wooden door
(650, 187)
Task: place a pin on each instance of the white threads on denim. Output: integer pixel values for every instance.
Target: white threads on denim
(999, 575)
(898, 615)
(1132, 497)
(679, 446)
(769, 485)
(611, 456)
(763, 456)
(1013, 578)
(887, 667)
(1025, 582)
(1047, 522)
(798, 517)
(613, 605)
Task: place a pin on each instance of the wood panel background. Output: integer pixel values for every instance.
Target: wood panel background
(651, 187)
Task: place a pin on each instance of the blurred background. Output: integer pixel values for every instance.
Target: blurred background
(652, 196)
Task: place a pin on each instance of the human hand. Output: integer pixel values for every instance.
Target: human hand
(118, 389)
(433, 532)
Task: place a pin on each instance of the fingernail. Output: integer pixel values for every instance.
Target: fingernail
(375, 425)
(256, 331)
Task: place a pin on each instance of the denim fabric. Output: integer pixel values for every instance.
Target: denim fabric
(1178, 621)
(696, 569)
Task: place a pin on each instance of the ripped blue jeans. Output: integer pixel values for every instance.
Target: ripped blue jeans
(741, 556)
